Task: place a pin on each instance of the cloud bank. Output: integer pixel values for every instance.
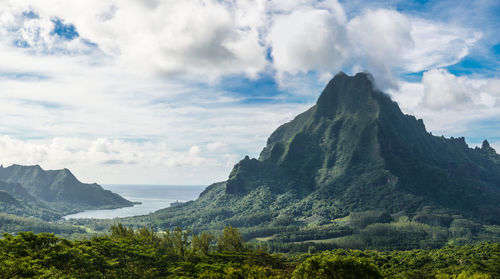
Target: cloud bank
(132, 88)
(210, 39)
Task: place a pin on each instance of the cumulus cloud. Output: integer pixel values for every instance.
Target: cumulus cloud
(384, 42)
(453, 105)
(205, 38)
(308, 40)
(379, 40)
(102, 151)
(82, 156)
(25, 29)
(215, 38)
(443, 90)
(118, 89)
(135, 127)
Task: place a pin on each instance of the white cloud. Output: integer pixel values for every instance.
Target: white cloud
(87, 158)
(496, 146)
(204, 38)
(437, 44)
(35, 34)
(452, 105)
(217, 146)
(384, 42)
(123, 101)
(379, 40)
(442, 90)
(124, 123)
(213, 38)
(308, 40)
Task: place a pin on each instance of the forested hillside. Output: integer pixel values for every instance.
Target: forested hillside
(353, 171)
(125, 253)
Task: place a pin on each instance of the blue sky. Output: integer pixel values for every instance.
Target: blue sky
(176, 92)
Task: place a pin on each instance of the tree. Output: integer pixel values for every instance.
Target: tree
(330, 266)
(119, 230)
(200, 243)
(230, 241)
(180, 241)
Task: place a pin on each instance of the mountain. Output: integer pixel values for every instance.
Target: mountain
(56, 190)
(23, 203)
(18, 191)
(353, 155)
(7, 199)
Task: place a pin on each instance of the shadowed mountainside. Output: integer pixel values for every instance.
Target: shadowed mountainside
(353, 151)
(54, 192)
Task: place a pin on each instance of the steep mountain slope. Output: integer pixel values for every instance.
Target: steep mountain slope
(25, 204)
(58, 189)
(354, 151)
(7, 199)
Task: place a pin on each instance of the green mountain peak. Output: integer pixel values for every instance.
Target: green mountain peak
(355, 140)
(345, 94)
(353, 151)
(322, 143)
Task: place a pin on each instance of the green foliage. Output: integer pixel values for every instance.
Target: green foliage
(11, 224)
(448, 262)
(144, 253)
(400, 235)
(230, 241)
(128, 253)
(365, 218)
(202, 243)
(15, 199)
(326, 265)
(464, 275)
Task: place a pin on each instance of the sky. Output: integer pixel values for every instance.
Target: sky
(176, 92)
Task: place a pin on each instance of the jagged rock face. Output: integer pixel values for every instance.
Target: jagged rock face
(355, 144)
(319, 144)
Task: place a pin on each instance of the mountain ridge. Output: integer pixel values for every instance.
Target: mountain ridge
(353, 151)
(378, 136)
(58, 192)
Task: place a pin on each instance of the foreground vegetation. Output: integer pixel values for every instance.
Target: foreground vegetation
(125, 253)
(428, 228)
(144, 253)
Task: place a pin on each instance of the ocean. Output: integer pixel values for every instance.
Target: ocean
(152, 198)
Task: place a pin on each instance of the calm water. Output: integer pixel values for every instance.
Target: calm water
(152, 197)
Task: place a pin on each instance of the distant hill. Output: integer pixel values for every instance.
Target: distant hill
(25, 204)
(351, 161)
(8, 200)
(57, 191)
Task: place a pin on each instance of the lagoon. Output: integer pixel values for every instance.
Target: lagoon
(151, 197)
